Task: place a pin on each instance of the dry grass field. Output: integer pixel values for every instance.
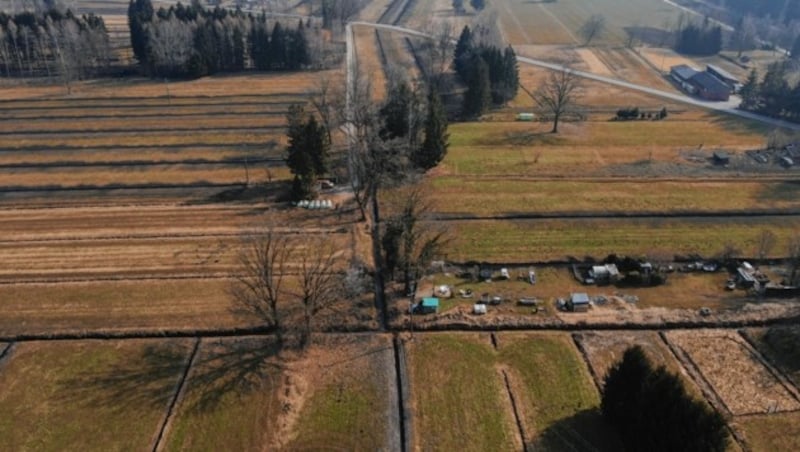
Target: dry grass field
(88, 395)
(349, 401)
(370, 60)
(780, 431)
(558, 22)
(604, 349)
(779, 345)
(112, 197)
(736, 372)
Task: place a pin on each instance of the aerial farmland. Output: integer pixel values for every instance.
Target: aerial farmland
(213, 241)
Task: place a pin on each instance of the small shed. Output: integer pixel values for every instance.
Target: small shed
(526, 117)
(429, 305)
(604, 273)
(578, 302)
(721, 158)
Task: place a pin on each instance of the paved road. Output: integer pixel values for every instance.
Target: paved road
(724, 107)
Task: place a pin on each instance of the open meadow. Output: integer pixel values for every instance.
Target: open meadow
(554, 400)
(88, 395)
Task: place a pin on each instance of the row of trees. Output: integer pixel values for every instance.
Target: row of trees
(477, 5)
(190, 41)
(772, 95)
(652, 411)
(491, 75)
(694, 39)
(52, 43)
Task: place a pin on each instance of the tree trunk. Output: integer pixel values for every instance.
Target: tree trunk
(555, 123)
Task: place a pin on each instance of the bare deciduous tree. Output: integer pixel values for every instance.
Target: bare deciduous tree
(320, 283)
(437, 54)
(259, 285)
(766, 242)
(558, 94)
(593, 27)
(415, 241)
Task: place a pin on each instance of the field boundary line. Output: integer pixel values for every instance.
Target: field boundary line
(578, 215)
(5, 354)
(403, 384)
(179, 392)
(750, 346)
(515, 410)
(577, 338)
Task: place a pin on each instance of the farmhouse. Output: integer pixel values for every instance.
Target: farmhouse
(733, 83)
(578, 302)
(721, 158)
(702, 84)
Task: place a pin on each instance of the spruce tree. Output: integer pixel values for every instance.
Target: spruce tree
(462, 52)
(750, 92)
(478, 96)
(510, 82)
(140, 13)
(395, 113)
(795, 53)
(435, 143)
(307, 152)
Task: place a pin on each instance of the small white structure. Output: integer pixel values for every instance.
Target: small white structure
(479, 309)
(504, 273)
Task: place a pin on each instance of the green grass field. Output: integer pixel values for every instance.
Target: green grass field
(457, 394)
(560, 401)
(469, 407)
(88, 395)
(230, 401)
(350, 404)
(542, 240)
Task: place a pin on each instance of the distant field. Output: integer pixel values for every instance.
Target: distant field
(478, 196)
(369, 60)
(88, 395)
(558, 22)
(541, 240)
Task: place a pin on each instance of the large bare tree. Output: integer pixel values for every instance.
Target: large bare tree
(558, 94)
(321, 284)
(259, 287)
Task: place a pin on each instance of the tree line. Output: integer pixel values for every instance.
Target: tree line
(694, 39)
(190, 41)
(491, 74)
(53, 43)
(772, 95)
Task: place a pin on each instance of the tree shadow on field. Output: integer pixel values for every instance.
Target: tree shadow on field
(221, 367)
(584, 431)
(737, 124)
(780, 191)
(783, 350)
